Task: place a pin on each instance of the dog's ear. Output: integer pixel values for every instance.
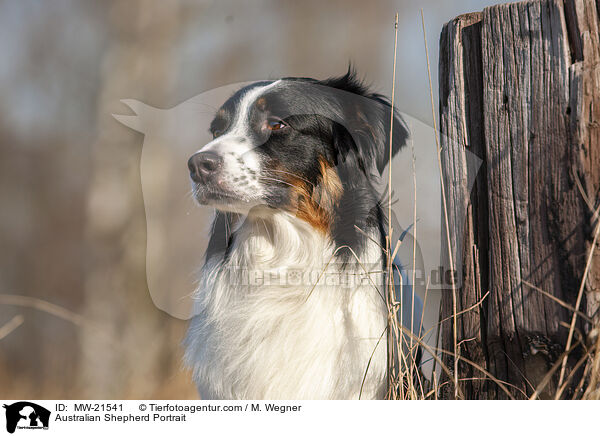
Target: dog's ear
(371, 130)
(367, 119)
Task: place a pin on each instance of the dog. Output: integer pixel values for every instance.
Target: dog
(290, 303)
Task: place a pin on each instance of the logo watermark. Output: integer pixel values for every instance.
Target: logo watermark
(25, 415)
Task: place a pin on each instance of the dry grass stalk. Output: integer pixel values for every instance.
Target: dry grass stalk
(445, 209)
(44, 306)
(593, 389)
(11, 326)
(392, 330)
(557, 300)
(578, 303)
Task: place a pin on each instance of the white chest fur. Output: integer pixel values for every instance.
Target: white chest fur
(276, 321)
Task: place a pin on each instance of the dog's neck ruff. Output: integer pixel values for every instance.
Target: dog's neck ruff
(279, 317)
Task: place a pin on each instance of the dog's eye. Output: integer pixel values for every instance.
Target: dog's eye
(275, 124)
(216, 133)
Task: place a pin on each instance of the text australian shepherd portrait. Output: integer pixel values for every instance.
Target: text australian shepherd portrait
(289, 303)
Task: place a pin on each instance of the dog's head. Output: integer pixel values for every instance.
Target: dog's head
(295, 144)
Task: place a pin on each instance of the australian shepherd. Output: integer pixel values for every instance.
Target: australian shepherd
(290, 301)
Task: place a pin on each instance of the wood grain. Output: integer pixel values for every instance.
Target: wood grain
(519, 89)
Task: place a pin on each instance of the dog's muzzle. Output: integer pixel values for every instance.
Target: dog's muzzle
(205, 166)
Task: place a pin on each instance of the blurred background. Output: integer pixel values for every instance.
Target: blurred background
(76, 316)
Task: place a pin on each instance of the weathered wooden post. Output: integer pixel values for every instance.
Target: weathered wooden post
(520, 89)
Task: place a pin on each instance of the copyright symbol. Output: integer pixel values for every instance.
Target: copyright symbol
(142, 407)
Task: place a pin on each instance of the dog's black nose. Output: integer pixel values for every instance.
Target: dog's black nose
(203, 165)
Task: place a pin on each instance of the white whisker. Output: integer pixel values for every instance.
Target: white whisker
(294, 175)
(277, 180)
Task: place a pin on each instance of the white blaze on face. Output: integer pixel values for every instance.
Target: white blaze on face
(241, 164)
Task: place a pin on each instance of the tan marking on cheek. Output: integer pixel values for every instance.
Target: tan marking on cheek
(313, 213)
(316, 206)
(261, 103)
(313, 204)
(331, 188)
